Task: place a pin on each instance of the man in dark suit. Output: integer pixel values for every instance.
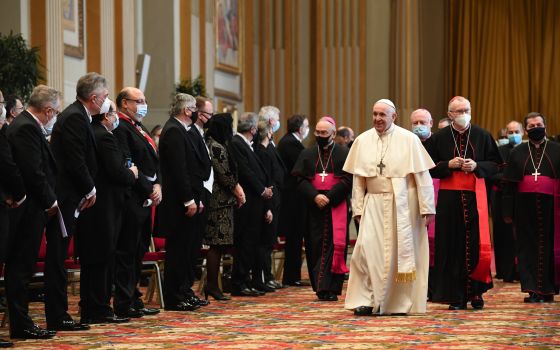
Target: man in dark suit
(249, 219)
(204, 111)
(99, 226)
(32, 155)
(73, 146)
(289, 148)
(134, 238)
(12, 191)
(183, 171)
(271, 116)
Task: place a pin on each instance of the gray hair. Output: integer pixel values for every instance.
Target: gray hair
(268, 112)
(180, 102)
(263, 128)
(43, 95)
(247, 121)
(457, 99)
(90, 84)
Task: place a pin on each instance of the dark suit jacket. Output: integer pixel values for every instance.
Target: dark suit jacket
(183, 171)
(32, 155)
(73, 146)
(11, 183)
(252, 175)
(289, 149)
(99, 225)
(142, 154)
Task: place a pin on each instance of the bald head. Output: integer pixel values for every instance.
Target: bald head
(421, 117)
(128, 101)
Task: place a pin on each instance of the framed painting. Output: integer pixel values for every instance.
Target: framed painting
(73, 27)
(227, 18)
(227, 105)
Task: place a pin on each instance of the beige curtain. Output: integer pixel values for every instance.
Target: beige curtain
(504, 55)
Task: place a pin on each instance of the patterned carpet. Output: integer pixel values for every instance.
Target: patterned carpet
(292, 318)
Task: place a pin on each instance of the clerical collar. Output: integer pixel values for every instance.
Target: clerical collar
(460, 131)
(388, 131)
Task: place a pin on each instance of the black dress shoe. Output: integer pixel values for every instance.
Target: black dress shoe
(299, 284)
(182, 306)
(363, 311)
(274, 284)
(34, 332)
(245, 292)
(258, 292)
(477, 302)
(104, 319)
(70, 326)
(458, 306)
(194, 300)
(130, 313)
(5, 344)
(148, 311)
(534, 298)
(264, 288)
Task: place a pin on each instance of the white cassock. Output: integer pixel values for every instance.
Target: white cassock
(390, 262)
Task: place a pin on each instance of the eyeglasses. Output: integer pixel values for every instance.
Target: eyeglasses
(210, 115)
(139, 101)
(461, 111)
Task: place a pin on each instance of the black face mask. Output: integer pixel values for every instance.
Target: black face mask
(194, 117)
(536, 134)
(323, 141)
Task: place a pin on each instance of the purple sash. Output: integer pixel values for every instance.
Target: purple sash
(546, 185)
(432, 226)
(339, 218)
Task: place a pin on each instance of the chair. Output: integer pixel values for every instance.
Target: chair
(278, 257)
(154, 259)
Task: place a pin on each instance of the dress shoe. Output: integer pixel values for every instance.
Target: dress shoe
(194, 300)
(327, 296)
(548, 298)
(245, 292)
(130, 313)
(70, 326)
(274, 284)
(264, 288)
(363, 311)
(35, 332)
(182, 306)
(104, 319)
(534, 298)
(258, 292)
(477, 302)
(5, 344)
(299, 284)
(458, 306)
(149, 311)
(217, 295)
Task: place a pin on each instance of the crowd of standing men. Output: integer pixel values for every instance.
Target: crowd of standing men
(104, 183)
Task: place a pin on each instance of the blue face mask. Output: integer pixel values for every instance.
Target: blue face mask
(422, 131)
(514, 139)
(276, 127)
(141, 111)
(116, 123)
(503, 142)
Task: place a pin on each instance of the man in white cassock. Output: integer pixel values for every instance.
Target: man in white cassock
(393, 199)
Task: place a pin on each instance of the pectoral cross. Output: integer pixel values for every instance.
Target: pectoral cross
(536, 173)
(323, 175)
(381, 166)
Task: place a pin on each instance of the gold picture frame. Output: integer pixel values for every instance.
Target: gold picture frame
(73, 27)
(227, 105)
(228, 35)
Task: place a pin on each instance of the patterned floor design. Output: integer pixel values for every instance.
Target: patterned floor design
(292, 318)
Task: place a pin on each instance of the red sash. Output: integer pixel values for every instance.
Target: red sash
(546, 185)
(339, 218)
(432, 226)
(125, 118)
(459, 181)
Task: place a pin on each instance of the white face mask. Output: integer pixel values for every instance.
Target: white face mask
(105, 106)
(3, 115)
(305, 134)
(49, 126)
(462, 120)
